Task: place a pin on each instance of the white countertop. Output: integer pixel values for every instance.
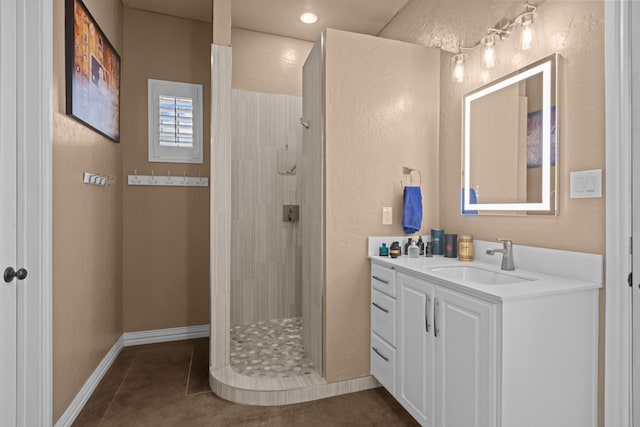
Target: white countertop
(544, 283)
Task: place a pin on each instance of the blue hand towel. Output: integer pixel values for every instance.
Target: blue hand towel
(472, 199)
(412, 210)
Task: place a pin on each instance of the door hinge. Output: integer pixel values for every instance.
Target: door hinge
(630, 279)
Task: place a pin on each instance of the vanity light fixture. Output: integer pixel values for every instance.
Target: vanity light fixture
(526, 33)
(524, 21)
(489, 54)
(309, 18)
(457, 62)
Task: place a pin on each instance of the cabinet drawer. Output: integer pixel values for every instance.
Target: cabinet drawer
(383, 316)
(383, 279)
(383, 363)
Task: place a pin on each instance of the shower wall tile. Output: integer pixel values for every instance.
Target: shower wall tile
(220, 204)
(265, 280)
(310, 184)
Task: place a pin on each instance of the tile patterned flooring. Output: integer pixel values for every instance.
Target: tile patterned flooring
(271, 349)
(167, 384)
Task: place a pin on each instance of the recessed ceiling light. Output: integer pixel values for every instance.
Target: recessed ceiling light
(309, 18)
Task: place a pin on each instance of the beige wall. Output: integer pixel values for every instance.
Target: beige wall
(267, 63)
(87, 223)
(381, 114)
(165, 229)
(576, 30)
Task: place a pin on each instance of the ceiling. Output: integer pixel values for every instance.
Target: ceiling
(281, 17)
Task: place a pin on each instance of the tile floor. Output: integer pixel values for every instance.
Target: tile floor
(167, 385)
(271, 349)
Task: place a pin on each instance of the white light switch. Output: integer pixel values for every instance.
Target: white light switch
(387, 215)
(586, 184)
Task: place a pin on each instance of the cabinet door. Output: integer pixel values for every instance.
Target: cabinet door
(415, 347)
(465, 368)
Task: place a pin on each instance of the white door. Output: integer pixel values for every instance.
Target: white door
(8, 230)
(415, 347)
(465, 360)
(635, 170)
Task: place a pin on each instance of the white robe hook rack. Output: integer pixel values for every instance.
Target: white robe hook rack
(167, 180)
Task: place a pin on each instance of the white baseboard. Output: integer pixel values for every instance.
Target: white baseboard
(69, 416)
(165, 335)
(125, 340)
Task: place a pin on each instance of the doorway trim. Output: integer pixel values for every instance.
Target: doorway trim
(35, 158)
(617, 387)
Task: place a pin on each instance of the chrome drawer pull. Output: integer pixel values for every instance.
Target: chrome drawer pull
(380, 280)
(386, 359)
(381, 308)
(427, 303)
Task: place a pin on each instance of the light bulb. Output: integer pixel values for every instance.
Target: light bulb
(526, 34)
(309, 18)
(489, 55)
(457, 74)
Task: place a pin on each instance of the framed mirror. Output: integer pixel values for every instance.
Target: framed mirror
(510, 143)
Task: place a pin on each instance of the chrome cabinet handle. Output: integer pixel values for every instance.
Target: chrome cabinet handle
(427, 303)
(436, 330)
(380, 280)
(380, 307)
(386, 359)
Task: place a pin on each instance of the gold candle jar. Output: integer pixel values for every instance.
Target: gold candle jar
(465, 248)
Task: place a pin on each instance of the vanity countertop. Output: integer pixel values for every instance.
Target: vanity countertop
(539, 284)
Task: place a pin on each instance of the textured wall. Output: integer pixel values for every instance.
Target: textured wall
(267, 63)
(87, 224)
(576, 31)
(381, 112)
(310, 191)
(165, 229)
(265, 276)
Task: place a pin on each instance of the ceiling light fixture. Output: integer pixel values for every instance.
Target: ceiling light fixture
(494, 35)
(309, 18)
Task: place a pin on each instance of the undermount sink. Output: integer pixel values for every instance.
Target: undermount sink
(478, 275)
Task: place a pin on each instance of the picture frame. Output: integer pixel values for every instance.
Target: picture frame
(92, 73)
(534, 138)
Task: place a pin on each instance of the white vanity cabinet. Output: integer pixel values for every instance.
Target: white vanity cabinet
(485, 356)
(446, 355)
(383, 326)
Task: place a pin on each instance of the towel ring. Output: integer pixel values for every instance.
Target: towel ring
(409, 171)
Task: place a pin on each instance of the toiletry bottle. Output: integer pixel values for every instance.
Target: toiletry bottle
(406, 246)
(414, 250)
(394, 250)
(421, 245)
(384, 250)
(437, 239)
(465, 248)
(451, 245)
(428, 249)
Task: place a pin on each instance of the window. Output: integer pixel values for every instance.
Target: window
(175, 122)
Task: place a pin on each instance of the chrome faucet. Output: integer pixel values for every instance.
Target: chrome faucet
(507, 254)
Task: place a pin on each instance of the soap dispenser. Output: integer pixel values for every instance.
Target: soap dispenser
(406, 246)
(414, 250)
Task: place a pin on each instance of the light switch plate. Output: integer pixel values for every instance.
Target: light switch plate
(387, 215)
(586, 184)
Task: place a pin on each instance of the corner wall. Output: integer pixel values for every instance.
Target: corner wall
(87, 228)
(165, 229)
(381, 114)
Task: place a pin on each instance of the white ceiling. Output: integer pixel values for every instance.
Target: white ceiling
(281, 17)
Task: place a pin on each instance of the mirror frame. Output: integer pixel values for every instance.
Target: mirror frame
(548, 67)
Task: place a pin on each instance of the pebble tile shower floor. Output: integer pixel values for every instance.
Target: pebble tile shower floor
(271, 349)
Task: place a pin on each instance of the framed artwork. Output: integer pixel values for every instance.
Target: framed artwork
(534, 138)
(92, 73)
